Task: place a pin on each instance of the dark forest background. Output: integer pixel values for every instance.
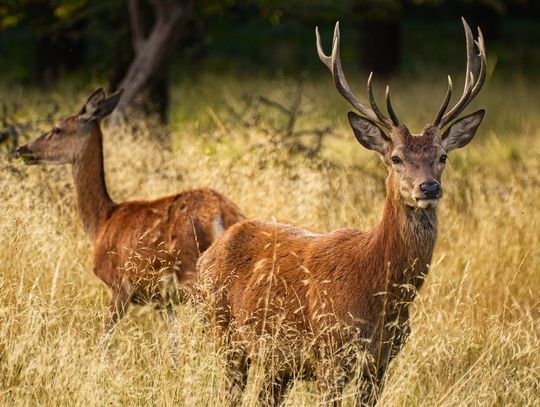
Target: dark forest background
(142, 45)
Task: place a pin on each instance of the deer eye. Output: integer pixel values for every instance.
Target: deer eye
(56, 130)
(443, 158)
(396, 160)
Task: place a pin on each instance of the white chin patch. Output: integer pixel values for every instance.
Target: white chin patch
(427, 203)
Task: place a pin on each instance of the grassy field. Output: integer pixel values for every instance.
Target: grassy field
(476, 323)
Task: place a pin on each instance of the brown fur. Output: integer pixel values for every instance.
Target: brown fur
(143, 250)
(319, 282)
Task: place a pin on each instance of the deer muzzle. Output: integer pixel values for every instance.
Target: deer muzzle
(24, 153)
(430, 194)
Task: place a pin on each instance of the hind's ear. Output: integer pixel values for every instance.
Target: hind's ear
(108, 105)
(93, 102)
(99, 105)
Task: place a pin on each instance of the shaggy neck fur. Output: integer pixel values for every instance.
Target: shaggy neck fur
(406, 238)
(95, 204)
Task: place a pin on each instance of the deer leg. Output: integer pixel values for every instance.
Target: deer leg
(370, 386)
(373, 376)
(117, 308)
(274, 390)
(235, 377)
(172, 325)
(374, 371)
(331, 380)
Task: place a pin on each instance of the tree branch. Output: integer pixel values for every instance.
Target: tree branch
(154, 49)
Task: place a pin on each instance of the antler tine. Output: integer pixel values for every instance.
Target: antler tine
(460, 105)
(467, 88)
(327, 60)
(372, 100)
(471, 87)
(333, 63)
(469, 41)
(444, 104)
(395, 120)
(483, 64)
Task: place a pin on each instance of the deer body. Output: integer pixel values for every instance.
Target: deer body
(349, 264)
(145, 243)
(142, 250)
(345, 291)
(262, 275)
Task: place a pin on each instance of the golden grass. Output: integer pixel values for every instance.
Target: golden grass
(476, 324)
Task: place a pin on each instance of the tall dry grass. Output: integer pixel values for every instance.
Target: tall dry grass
(476, 324)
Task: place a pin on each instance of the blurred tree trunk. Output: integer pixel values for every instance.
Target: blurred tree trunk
(152, 52)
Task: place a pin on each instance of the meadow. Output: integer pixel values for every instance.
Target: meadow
(476, 323)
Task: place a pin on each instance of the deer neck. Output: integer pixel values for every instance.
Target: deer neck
(94, 202)
(407, 237)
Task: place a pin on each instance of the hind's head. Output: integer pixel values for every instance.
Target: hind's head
(67, 139)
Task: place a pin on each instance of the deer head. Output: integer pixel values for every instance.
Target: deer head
(415, 162)
(67, 140)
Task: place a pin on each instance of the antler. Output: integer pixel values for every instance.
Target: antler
(333, 63)
(475, 63)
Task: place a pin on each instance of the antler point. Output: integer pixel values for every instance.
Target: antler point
(336, 31)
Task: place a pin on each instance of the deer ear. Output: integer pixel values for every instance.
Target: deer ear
(368, 133)
(93, 102)
(461, 132)
(107, 106)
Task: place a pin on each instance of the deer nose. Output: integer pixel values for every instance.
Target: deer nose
(21, 150)
(431, 189)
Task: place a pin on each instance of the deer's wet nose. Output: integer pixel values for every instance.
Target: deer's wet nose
(431, 189)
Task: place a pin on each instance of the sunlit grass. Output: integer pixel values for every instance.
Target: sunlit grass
(476, 324)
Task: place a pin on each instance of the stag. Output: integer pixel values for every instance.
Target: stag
(144, 251)
(347, 292)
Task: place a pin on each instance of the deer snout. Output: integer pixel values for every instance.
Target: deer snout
(24, 153)
(21, 151)
(431, 190)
